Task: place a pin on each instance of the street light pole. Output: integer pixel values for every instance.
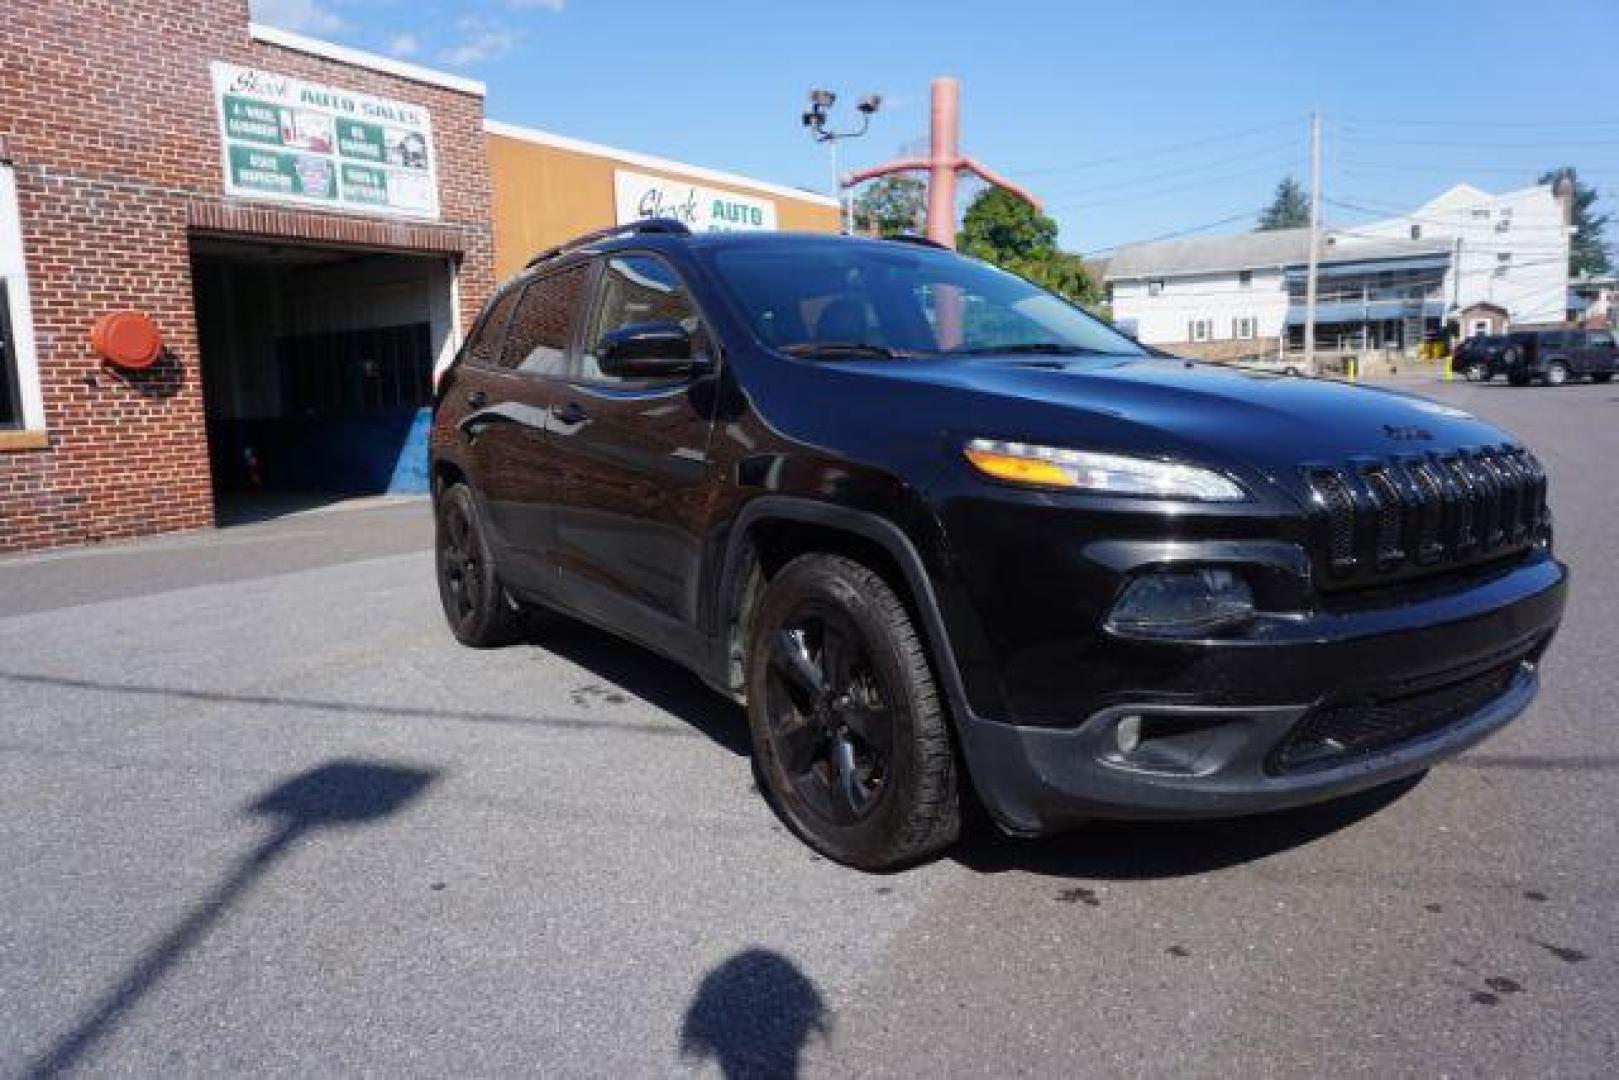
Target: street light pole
(815, 118)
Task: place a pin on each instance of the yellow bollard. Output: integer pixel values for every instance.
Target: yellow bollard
(1352, 368)
(1448, 373)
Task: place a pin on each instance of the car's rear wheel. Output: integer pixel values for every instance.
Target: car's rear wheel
(1602, 377)
(1476, 372)
(476, 604)
(851, 741)
(1556, 373)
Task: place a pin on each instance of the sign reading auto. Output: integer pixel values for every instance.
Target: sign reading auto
(700, 209)
(301, 142)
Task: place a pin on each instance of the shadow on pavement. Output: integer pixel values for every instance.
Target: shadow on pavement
(1133, 850)
(753, 1015)
(347, 708)
(648, 676)
(337, 794)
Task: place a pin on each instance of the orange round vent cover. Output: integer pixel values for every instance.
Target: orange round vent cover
(127, 338)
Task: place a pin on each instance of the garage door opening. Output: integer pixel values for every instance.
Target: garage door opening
(317, 369)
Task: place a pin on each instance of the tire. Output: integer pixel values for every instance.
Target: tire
(1518, 378)
(1556, 373)
(476, 605)
(851, 742)
(1476, 372)
(1602, 377)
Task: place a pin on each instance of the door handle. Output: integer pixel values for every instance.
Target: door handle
(477, 399)
(572, 413)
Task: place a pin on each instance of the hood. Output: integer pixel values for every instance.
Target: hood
(1220, 415)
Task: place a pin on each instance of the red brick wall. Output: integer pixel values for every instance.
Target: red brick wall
(108, 113)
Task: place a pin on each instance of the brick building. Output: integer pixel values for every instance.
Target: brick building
(308, 228)
(114, 179)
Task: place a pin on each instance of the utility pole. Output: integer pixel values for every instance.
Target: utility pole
(1310, 284)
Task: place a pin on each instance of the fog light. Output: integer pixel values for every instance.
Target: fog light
(1128, 734)
(1182, 603)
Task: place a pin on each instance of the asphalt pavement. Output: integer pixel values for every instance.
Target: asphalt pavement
(259, 814)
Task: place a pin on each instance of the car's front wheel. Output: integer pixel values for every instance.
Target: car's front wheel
(1476, 372)
(476, 604)
(1556, 373)
(850, 738)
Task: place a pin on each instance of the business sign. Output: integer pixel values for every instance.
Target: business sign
(700, 209)
(301, 142)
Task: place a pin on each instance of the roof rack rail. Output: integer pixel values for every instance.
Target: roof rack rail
(913, 238)
(665, 226)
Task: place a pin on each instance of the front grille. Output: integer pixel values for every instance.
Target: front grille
(1334, 734)
(1377, 520)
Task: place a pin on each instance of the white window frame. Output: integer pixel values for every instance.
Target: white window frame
(1155, 287)
(1201, 330)
(1244, 327)
(15, 272)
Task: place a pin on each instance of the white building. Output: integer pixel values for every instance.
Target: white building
(1381, 286)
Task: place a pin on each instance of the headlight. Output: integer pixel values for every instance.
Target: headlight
(1182, 603)
(1113, 474)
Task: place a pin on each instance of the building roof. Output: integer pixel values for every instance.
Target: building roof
(1269, 249)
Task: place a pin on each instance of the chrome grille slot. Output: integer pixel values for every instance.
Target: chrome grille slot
(1390, 509)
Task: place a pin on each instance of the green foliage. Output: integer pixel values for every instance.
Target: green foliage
(1588, 249)
(1289, 208)
(891, 206)
(999, 225)
(1001, 228)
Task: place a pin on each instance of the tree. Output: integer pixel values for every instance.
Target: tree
(1002, 229)
(1289, 208)
(1587, 249)
(891, 206)
(999, 226)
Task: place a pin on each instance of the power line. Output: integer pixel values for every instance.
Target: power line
(1412, 122)
(1203, 181)
(1158, 151)
(1245, 155)
(1178, 233)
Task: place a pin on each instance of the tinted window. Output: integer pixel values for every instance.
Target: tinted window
(542, 326)
(10, 403)
(1600, 338)
(484, 345)
(909, 299)
(634, 290)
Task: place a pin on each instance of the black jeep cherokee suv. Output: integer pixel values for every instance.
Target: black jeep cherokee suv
(936, 526)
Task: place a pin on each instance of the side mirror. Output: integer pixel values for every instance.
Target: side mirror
(655, 350)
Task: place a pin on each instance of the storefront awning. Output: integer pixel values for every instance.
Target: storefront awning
(1354, 311)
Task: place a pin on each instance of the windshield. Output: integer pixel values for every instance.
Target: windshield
(847, 300)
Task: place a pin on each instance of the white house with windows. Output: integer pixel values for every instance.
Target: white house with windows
(1382, 286)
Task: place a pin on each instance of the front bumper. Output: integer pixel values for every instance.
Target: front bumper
(1234, 751)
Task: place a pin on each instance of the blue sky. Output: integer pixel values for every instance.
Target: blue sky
(1131, 120)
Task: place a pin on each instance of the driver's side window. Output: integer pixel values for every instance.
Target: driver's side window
(636, 290)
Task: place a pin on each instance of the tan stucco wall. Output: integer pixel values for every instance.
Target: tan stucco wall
(545, 195)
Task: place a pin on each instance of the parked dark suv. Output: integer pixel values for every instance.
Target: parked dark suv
(1478, 359)
(937, 527)
(1557, 356)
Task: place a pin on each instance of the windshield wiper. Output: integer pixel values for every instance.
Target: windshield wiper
(840, 350)
(1045, 348)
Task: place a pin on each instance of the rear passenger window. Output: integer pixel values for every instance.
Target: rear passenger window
(1601, 339)
(484, 345)
(542, 326)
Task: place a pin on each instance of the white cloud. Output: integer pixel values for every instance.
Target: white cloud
(404, 45)
(480, 40)
(302, 16)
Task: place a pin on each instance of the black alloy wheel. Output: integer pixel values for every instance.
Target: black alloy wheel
(852, 744)
(830, 721)
(476, 605)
